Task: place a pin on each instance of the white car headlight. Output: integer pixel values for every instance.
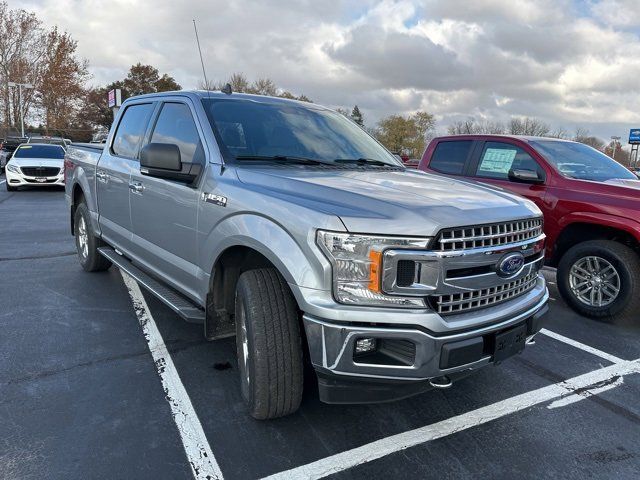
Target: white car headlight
(13, 168)
(357, 267)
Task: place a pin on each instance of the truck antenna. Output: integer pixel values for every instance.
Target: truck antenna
(204, 73)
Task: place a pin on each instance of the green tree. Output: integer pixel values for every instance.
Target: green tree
(357, 116)
(405, 134)
(143, 79)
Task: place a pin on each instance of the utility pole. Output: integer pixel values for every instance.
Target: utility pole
(615, 145)
(20, 86)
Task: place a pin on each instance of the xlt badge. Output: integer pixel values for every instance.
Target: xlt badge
(215, 199)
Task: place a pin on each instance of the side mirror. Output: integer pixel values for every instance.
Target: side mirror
(162, 160)
(525, 176)
(161, 156)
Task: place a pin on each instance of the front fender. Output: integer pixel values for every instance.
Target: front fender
(621, 223)
(296, 257)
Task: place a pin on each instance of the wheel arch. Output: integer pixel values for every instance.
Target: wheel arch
(582, 230)
(226, 271)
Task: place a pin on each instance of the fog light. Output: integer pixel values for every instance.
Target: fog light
(365, 345)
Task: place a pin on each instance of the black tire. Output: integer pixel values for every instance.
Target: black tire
(271, 377)
(10, 188)
(90, 259)
(626, 263)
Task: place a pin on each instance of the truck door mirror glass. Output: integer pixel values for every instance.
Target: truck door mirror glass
(163, 156)
(163, 160)
(525, 176)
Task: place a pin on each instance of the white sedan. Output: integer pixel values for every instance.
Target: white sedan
(35, 164)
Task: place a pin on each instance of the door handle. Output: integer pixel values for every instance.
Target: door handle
(136, 187)
(102, 176)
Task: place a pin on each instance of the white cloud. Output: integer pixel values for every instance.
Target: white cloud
(565, 62)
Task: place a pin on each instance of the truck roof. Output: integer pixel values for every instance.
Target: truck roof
(478, 136)
(201, 94)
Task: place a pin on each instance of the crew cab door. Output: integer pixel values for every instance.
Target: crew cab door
(164, 212)
(494, 161)
(113, 173)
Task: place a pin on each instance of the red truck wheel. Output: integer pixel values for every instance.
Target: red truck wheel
(601, 279)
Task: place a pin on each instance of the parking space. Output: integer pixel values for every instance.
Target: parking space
(82, 395)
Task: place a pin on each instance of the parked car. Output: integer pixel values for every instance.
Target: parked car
(49, 141)
(591, 207)
(35, 164)
(286, 224)
(9, 145)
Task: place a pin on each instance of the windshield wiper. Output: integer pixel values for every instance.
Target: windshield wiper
(282, 158)
(362, 161)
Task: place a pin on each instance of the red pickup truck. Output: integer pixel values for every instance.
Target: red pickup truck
(591, 207)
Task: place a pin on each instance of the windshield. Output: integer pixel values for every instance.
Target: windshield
(580, 161)
(39, 151)
(287, 131)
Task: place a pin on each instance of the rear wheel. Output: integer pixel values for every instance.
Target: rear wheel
(601, 279)
(87, 243)
(269, 344)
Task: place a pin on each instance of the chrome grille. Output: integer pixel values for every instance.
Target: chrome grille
(40, 171)
(464, 238)
(462, 302)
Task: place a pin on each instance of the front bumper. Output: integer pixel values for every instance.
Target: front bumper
(347, 378)
(20, 180)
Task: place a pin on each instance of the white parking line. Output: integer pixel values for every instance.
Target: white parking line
(568, 400)
(2, 181)
(201, 460)
(395, 443)
(581, 346)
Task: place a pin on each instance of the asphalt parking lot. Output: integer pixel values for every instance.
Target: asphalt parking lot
(83, 396)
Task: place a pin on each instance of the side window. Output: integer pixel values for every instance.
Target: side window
(175, 125)
(498, 158)
(450, 157)
(131, 130)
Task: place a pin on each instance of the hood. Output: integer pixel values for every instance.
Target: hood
(389, 202)
(37, 162)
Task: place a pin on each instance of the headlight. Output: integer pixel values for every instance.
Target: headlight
(357, 267)
(13, 168)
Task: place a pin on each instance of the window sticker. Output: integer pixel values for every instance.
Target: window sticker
(497, 160)
(24, 147)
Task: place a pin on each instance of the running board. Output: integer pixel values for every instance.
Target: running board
(175, 301)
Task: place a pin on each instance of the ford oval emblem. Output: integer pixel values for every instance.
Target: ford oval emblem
(511, 264)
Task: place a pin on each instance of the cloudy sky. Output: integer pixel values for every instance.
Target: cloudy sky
(568, 62)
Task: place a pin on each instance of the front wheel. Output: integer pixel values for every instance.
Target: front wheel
(10, 188)
(268, 343)
(601, 279)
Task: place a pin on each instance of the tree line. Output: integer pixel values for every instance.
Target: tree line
(537, 128)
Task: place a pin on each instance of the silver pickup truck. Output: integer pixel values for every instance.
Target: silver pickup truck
(285, 224)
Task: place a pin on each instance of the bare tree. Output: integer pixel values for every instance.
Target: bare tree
(471, 126)
(22, 45)
(582, 135)
(264, 86)
(529, 126)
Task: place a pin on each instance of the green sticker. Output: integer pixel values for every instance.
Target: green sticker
(497, 160)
